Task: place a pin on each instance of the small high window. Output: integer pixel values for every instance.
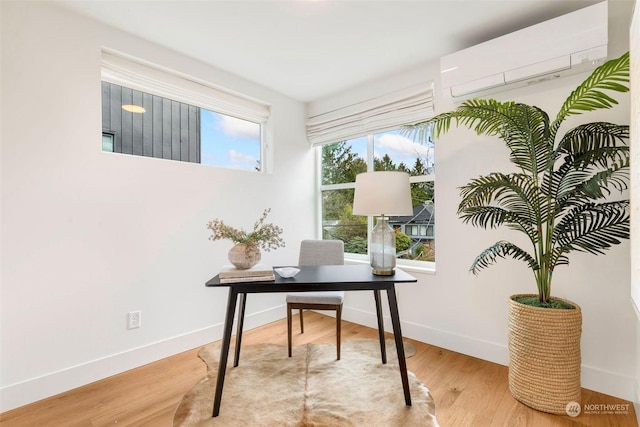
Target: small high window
(139, 123)
(149, 111)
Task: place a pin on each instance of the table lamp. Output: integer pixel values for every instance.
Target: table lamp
(382, 194)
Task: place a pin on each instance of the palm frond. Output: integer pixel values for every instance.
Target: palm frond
(524, 128)
(561, 188)
(484, 116)
(558, 257)
(570, 186)
(613, 75)
(531, 148)
(616, 177)
(598, 142)
(493, 217)
(420, 132)
(595, 157)
(593, 228)
(437, 125)
(516, 193)
(501, 249)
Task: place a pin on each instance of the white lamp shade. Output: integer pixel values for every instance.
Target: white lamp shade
(382, 193)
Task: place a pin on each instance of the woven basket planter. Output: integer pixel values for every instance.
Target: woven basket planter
(544, 352)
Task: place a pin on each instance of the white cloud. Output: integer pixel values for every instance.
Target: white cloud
(399, 146)
(241, 158)
(239, 128)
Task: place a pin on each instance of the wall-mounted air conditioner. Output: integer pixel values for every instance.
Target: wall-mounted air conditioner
(565, 45)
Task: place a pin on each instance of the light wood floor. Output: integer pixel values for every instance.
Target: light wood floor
(467, 391)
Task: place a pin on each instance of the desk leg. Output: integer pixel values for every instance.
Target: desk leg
(243, 301)
(383, 350)
(224, 351)
(397, 332)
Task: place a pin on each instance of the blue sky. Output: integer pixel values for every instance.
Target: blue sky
(229, 142)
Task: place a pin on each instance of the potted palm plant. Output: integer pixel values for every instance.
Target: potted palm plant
(560, 198)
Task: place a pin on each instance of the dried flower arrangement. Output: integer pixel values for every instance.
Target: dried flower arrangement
(264, 236)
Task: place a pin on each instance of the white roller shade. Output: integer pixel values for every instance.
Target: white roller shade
(127, 72)
(386, 112)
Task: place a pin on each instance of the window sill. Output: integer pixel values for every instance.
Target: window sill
(430, 268)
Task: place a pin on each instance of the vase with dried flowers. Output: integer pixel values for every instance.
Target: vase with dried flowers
(246, 252)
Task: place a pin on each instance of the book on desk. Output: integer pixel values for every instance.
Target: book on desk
(258, 273)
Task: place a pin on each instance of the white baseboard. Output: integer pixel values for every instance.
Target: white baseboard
(38, 388)
(608, 383)
(636, 402)
(485, 350)
(592, 378)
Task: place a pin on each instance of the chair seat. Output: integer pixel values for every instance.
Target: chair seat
(321, 297)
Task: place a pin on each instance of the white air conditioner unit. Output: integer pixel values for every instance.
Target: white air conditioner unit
(565, 45)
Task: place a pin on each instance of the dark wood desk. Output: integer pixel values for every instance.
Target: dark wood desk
(316, 278)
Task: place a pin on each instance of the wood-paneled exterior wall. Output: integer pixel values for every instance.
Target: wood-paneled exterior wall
(167, 130)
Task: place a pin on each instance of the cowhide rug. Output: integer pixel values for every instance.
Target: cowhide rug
(311, 388)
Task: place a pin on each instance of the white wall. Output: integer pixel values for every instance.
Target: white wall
(88, 236)
(456, 310)
(634, 41)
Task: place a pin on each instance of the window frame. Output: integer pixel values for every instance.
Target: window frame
(134, 73)
(411, 265)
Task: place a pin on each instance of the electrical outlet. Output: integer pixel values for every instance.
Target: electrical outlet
(134, 319)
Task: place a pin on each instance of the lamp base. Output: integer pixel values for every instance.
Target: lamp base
(383, 248)
(383, 272)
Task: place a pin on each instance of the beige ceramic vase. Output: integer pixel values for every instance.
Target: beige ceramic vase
(244, 257)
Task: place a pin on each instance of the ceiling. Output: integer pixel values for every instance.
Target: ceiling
(309, 49)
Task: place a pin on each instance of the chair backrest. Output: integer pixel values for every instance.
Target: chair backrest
(321, 252)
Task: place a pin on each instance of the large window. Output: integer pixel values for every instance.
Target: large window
(386, 151)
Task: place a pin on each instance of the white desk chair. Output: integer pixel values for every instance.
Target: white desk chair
(317, 252)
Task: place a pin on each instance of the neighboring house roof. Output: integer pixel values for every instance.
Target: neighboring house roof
(422, 214)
